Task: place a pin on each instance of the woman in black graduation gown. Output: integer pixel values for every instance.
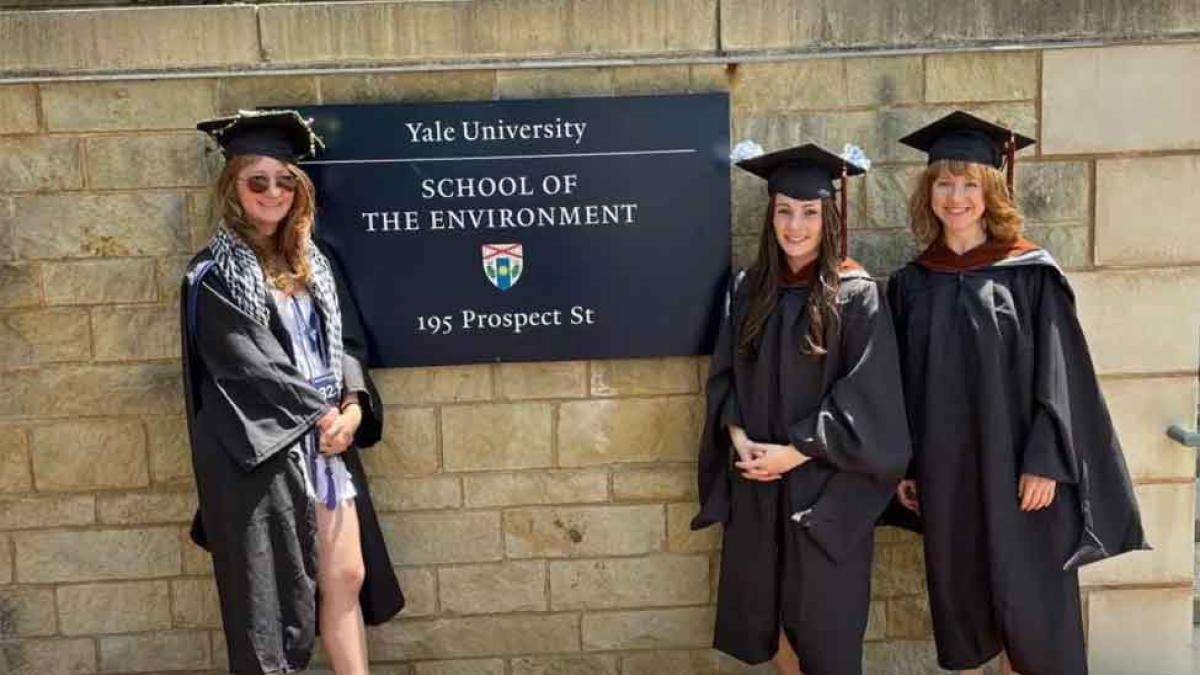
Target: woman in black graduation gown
(278, 400)
(1017, 474)
(805, 438)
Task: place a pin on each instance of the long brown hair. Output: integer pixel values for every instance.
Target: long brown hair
(292, 238)
(1001, 218)
(763, 285)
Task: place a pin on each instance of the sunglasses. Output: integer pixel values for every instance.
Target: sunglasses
(260, 183)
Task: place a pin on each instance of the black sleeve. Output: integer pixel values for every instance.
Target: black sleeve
(253, 398)
(713, 464)
(861, 425)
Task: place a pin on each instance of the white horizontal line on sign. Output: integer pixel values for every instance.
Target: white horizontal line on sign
(403, 160)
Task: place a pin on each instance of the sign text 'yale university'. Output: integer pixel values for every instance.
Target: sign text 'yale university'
(529, 230)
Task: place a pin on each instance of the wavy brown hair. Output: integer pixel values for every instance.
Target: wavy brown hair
(1001, 218)
(292, 238)
(763, 285)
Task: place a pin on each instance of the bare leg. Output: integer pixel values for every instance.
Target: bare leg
(785, 661)
(1006, 665)
(340, 574)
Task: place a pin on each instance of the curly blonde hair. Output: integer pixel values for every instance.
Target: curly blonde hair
(1001, 217)
(292, 238)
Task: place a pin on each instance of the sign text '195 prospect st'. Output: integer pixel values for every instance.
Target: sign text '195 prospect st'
(529, 230)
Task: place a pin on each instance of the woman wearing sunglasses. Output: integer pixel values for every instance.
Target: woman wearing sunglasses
(278, 400)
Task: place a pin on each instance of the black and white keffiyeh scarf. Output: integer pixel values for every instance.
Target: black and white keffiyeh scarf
(243, 275)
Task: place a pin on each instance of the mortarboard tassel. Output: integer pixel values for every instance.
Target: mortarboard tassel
(843, 211)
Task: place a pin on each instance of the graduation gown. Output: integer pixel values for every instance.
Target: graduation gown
(797, 552)
(247, 404)
(998, 383)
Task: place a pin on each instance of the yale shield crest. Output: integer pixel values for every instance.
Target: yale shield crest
(503, 264)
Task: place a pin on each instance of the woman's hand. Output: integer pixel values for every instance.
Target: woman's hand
(906, 494)
(1035, 492)
(741, 443)
(338, 433)
(769, 461)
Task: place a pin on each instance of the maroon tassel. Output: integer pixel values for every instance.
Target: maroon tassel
(845, 235)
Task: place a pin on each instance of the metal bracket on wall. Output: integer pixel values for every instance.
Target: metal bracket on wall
(1188, 439)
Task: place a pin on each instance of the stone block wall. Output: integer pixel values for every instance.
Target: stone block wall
(537, 513)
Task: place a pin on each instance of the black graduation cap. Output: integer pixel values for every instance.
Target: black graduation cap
(803, 172)
(282, 134)
(965, 137)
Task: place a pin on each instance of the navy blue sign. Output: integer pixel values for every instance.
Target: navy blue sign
(529, 230)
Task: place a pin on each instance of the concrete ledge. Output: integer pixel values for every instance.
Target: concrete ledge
(105, 40)
(748, 25)
(400, 31)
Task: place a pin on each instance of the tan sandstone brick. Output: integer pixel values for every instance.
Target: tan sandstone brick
(121, 607)
(168, 271)
(911, 657)
(39, 163)
(271, 91)
(20, 284)
(1050, 192)
(681, 537)
(89, 454)
(153, 652)
(681, 662)
(1140, 631)
(57, 391)
(547, 486)
(169, 449)
(35, 336)
(149, 161)
(562, 379)
(665, 79)
(638, 377)
(1168, 518)
(884, 80)
(899, 570)
(1120, 98)
(458, 85)
(100, 281)
(1141, 410)
(136, 333)
(6, 561)
(1071, 245)
(460, 667)
(1165, 230)
(909, 618)
(420, 590)
(876, 621)
(416, 494)
(97, 555)
(19, 513)
(583, 531)
(409, 445)
(1115, 309)
(628, 430)
(981, 76)
(84, 226)
(442, 384)
(519, 634)
(39, 657)
(505, 436)
(196, 561)
(586, 664)
(18, 109)
(608, 583)
(146, 508)
(427, 538)
(26, 612)
(654, 483)
(493, 588)
(789, 86)
(195, 604)
(127, 106)
(648, 629)
(15, 467)
(554, 83)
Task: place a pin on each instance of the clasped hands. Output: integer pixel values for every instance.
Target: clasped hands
(763, 461)
(337, 428)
